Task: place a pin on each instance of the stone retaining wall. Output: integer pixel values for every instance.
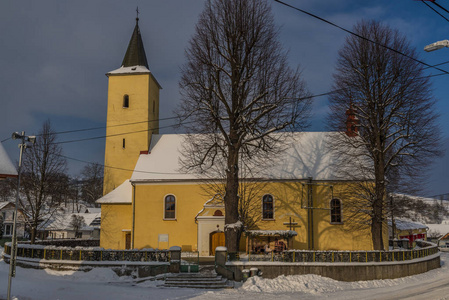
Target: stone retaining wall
(139, 263)
(354, 271)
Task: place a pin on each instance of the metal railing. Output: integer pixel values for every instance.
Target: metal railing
(190, 261)
(426, 249)
(85, 254)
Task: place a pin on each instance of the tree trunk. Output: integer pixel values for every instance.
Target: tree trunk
(33, 234)
(231, 199)
(378, 202)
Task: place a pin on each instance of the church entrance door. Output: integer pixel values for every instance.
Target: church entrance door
(216, 239)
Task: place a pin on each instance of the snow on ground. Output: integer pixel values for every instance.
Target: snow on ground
(103, 283)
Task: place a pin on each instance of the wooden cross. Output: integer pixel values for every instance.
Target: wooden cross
(291, 224)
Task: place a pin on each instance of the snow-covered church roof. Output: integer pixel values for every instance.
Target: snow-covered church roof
(307, 154)
(122, 194)
(7, 168)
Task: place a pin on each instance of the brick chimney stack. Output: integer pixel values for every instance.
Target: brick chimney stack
(352, 122)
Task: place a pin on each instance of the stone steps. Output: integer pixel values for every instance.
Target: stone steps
(197, 281)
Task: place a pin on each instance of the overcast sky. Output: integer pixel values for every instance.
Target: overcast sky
(54, 56)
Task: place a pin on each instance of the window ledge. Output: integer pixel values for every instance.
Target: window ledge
(269, 219)
(336, 223)
(170, 219)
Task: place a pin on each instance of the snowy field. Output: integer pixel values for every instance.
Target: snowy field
(102, 283)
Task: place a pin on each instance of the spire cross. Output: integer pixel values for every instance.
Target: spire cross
(137, 11)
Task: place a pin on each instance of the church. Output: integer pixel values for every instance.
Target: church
(297, 201)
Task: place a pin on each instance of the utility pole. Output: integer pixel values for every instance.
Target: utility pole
(393, 225)
(12, 258)
(310, 212)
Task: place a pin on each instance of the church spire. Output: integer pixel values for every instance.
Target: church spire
(135, 54)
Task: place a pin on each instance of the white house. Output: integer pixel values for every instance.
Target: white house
(60, 226)
(7, 217)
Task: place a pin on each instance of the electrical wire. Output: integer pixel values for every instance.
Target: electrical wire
(115, 168)
(104, 127)
(447, 20)
(162, 119)
(359, 36)
(119, 134)
(118, 125)
(109, 167)
(435, 3)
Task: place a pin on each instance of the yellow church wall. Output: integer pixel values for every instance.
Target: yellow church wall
(351, 234)
(116, 222)
(153, 112)
(124, 142)
(290, 201)
(149, 215)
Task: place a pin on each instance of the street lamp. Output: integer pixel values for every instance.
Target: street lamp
(436, 45)
(12, 258)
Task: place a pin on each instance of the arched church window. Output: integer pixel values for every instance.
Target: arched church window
(336, 211)
(125, 101)
(267, 207)
(169, 207)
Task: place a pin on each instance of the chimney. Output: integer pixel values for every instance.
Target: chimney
(352, 122)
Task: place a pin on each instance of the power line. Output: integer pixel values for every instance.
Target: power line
(118, 125)
(443, 63)
(447, 20)
(435, 3)
(110, 167)
(359, 36)
(115, 168)
(161, 119)
(104, 127)
(119, 134)
(169, 118)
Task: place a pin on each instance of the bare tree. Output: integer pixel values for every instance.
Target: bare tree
(61, 190)
(77, 223)
(92, 183)
(237, 90)
(392, 100)
(42, 167)
(7, 189)
(1, 226)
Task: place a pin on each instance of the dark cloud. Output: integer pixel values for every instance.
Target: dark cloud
(54, 55)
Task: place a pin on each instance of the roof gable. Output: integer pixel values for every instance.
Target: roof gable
(121, 195)
(4, 204)
(7, 168)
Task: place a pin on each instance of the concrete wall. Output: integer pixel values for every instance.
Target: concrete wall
(128, 268)
(338, 271)
(138, 269)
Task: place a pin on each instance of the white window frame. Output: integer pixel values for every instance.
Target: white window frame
(6, 231)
